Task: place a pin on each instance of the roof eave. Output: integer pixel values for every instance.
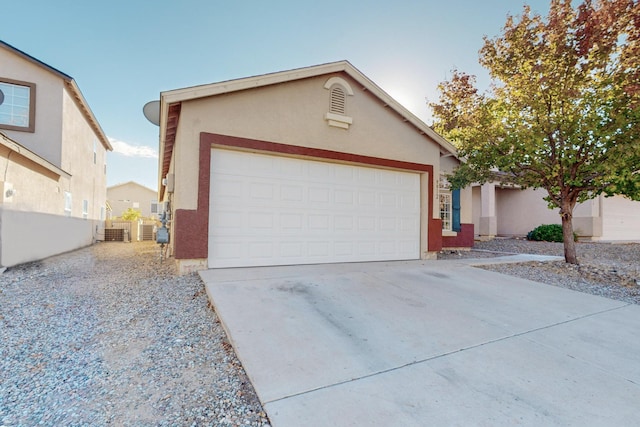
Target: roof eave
(84, 107)
(30, 155)
(172, 99)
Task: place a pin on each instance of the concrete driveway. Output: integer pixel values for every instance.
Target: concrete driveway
(423, 343)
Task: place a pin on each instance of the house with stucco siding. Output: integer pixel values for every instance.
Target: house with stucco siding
(53, 158)
(504, 210)
(306, 166)
(131, 195)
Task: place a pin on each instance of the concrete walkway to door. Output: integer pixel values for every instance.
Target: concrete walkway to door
(422, 343)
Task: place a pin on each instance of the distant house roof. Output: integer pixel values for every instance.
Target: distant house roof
(171, 101)
(122, 184)
(73, 88)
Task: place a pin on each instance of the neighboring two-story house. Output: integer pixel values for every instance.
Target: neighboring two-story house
(52, 162)
(131, 195)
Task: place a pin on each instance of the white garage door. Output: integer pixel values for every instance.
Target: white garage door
(272, 210)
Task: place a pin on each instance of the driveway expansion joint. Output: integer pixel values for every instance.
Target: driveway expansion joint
(449, 353)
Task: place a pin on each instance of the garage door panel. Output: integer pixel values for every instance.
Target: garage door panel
(269, 210)
(343, 222)
(261, 190)
(224, 220)
(290, 193)
(258, 220)
(366, 223)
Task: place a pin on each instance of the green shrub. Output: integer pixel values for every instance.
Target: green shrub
(546, 233)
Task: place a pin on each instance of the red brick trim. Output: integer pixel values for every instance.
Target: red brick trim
(464, 239)
(295, 150)
(435, 233)
(192, 226)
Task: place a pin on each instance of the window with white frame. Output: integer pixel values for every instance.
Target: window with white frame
(17, 105)
(67, 203)
(446, 208)
(85, 209)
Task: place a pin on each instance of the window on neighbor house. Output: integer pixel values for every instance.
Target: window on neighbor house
(95, 152)
(67, 203)
(85, 209)
(17, 105)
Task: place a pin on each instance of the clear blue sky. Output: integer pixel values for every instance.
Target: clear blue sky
(123, 54)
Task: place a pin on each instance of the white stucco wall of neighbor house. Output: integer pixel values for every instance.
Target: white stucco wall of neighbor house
(30, 236)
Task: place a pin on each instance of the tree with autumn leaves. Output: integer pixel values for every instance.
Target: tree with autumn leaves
(563, 109)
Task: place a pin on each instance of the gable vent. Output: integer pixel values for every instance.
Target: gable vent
(337, 100)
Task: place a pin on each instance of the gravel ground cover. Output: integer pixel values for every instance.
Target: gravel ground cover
(107, 335)
(606, 269)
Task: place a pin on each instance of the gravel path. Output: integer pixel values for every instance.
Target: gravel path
(608, 270)
(108, 336)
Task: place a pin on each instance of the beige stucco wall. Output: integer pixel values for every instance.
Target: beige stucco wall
(34, 221)
(519, 212)
(620, 219)
(89, 179)
(293, 113)
(602, 219)
(37, 188)
(124, 196)
(46, 140)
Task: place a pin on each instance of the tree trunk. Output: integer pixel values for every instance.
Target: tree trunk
(567, 235)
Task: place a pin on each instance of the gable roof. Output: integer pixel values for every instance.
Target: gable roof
(71, 85)
(122, 184)
(171, 101)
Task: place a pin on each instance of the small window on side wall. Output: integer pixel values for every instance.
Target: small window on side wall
(17, 105)
(67, 203)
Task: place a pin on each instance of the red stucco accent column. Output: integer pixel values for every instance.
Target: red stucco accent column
(192, 226)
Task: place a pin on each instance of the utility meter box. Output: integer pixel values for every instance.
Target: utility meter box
(162, 235)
